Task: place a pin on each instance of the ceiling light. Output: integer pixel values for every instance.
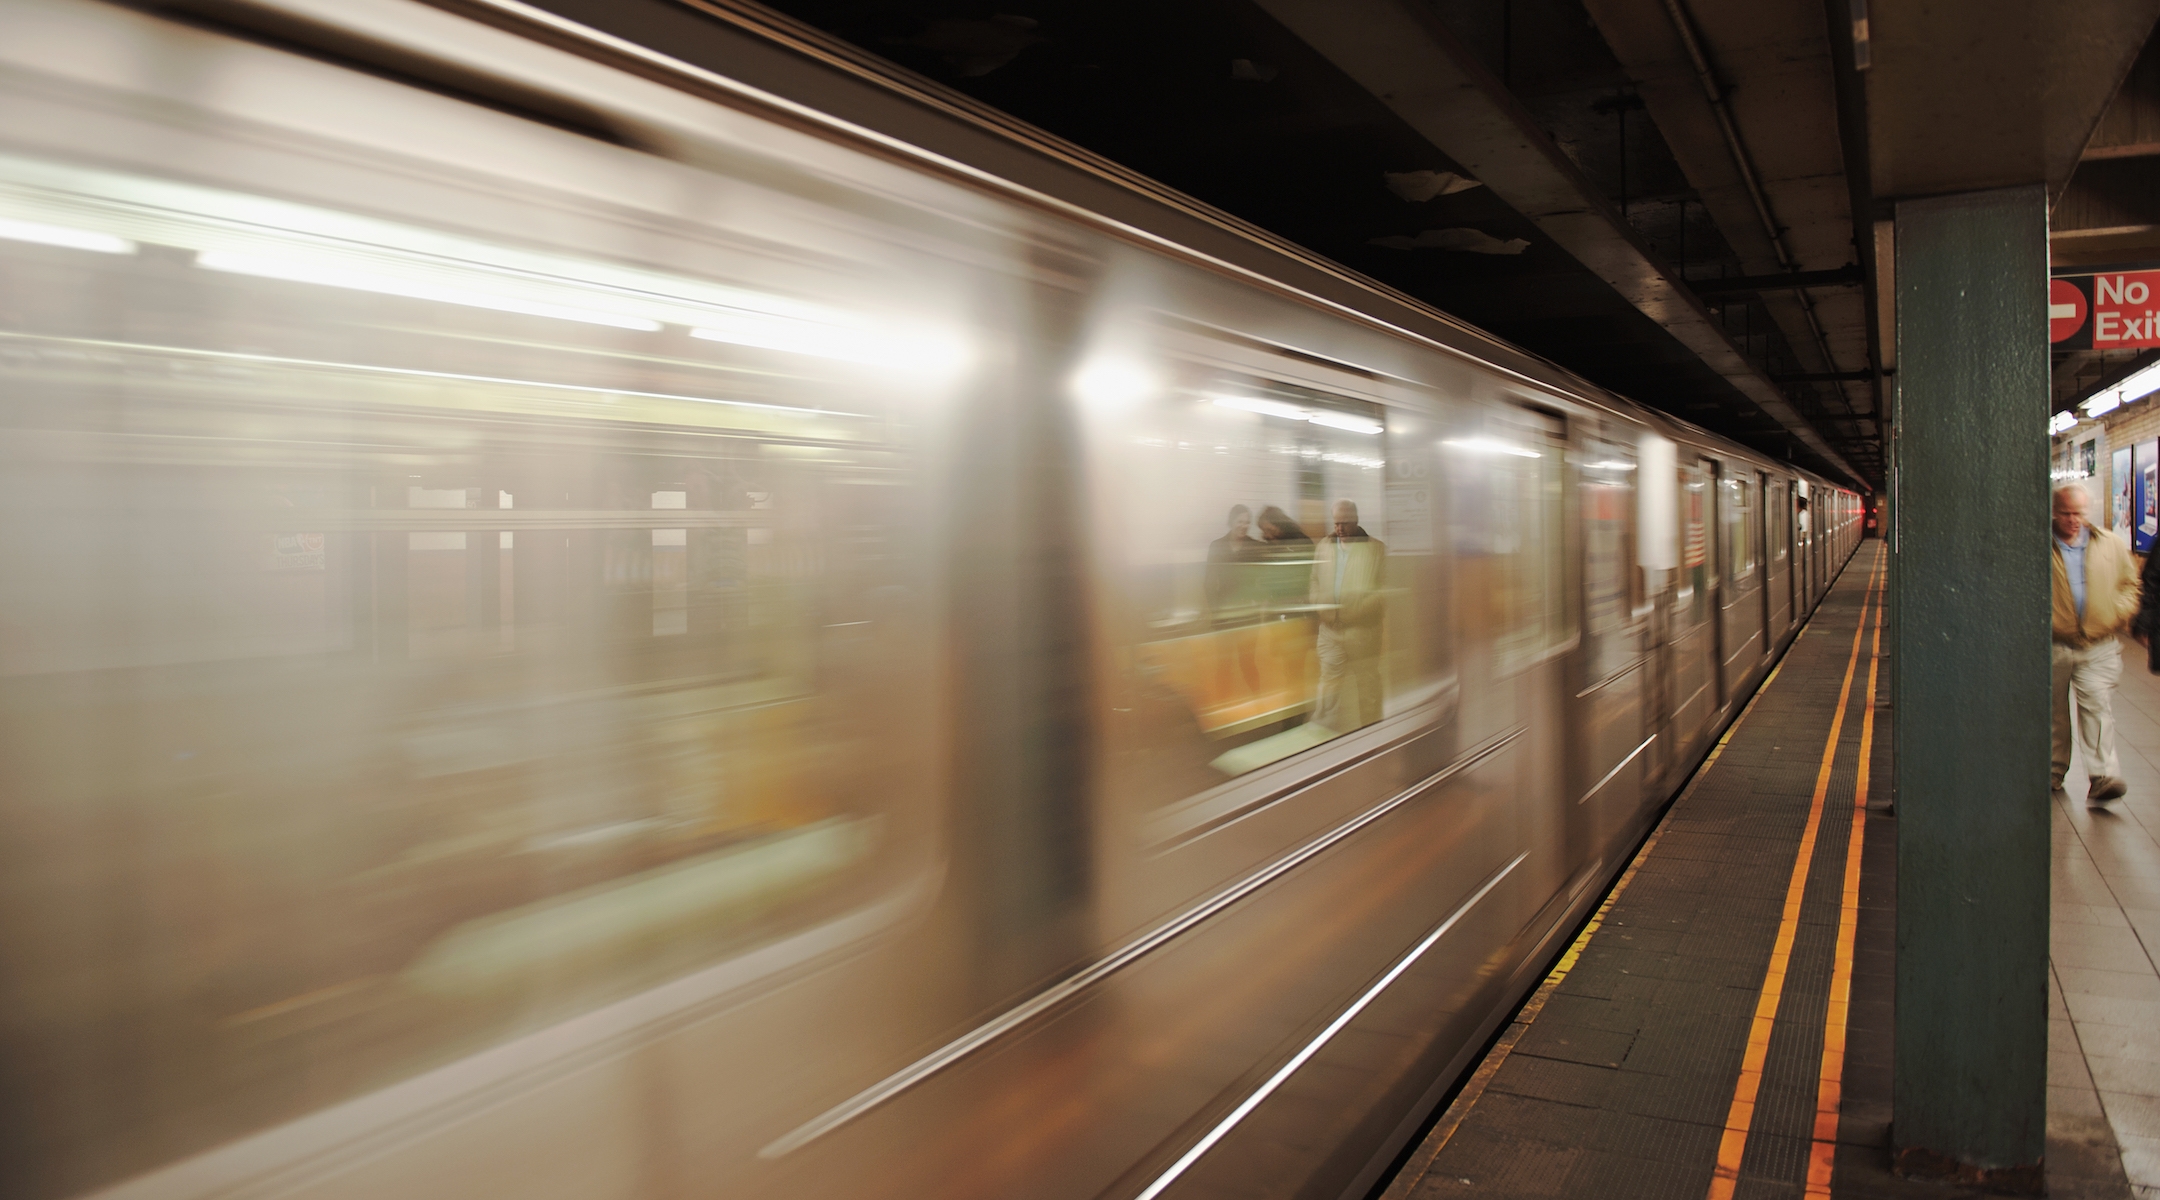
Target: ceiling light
(503, 296)
(61, 235)
(1292, 412)
(1486, 445)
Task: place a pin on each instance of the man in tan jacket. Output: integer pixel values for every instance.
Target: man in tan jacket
(2095, 597)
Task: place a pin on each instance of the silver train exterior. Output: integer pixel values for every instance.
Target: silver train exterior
(576, 627)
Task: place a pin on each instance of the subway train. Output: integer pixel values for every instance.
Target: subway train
(624, 601)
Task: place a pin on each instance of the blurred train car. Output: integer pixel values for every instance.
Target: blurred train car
(574, 626)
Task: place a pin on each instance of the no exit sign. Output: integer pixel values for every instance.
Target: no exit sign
(2104, 310)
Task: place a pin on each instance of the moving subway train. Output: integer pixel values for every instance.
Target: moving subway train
(576, 627)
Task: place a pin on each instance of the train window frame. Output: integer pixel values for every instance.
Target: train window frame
(1614, 649)
(1157, 338)
(1509, 420)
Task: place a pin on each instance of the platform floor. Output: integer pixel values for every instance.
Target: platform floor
(1722, 1028)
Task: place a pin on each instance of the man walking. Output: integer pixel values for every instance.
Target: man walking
(2095, 597)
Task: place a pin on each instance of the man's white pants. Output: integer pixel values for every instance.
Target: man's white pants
(2089, 675)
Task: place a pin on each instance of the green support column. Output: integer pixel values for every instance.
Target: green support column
(1970, 601)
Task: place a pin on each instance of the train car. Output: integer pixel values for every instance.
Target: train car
(667, 611)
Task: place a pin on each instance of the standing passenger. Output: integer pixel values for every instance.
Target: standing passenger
(2095, 598)
(1346, 578)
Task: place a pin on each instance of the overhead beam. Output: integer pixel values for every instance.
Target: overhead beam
(1992, 93)
(1826, 377)
(1846, 276)
(1406, 58)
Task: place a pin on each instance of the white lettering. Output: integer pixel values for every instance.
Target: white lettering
(2137, 292)
(2107, 289)
(2101, 330)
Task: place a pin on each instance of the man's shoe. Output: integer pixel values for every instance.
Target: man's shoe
(2106, 788)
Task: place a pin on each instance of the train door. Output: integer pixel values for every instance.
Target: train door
(1697, 690)
(1605, 676)
(1739, 606)
(1777, 522)
(1803, 551)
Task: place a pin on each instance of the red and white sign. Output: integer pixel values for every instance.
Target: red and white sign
(2066, 309)
(2125, 309)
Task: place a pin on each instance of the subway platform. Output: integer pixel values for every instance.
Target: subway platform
(1722, 1026)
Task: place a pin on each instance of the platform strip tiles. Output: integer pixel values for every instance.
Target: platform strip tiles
(1682, 1047)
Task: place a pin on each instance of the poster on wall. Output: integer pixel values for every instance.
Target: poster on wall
(2119, 478)
(2145, 502)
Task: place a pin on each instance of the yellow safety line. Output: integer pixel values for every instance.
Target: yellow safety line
(1733, 1145)
(1830, 1090)
(1474, 1090)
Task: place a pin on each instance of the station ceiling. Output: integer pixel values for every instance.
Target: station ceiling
(1686, 201)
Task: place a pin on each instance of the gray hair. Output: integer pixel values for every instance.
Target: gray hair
(2076, 485)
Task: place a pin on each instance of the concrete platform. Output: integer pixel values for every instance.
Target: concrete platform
(1722, 1028)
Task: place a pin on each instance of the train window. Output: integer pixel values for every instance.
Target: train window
(1777, 514)
(415, 636)
(1608, 509)
(1272, 560)
(1695, 578)
(1735, 511)
(1513, 527)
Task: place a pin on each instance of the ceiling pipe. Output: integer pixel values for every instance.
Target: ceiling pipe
(1714, 93)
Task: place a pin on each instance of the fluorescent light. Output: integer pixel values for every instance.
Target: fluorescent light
(61, 235)
(2062, 422)
(1486, 445)
(918, 352)
(1364, 425)
(1271, 408)
(2140, 385)
(1610, 464)
(1291, 412)
(339, 275)
(786, 334)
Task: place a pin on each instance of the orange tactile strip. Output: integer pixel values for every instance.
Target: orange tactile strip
(1733, 1146)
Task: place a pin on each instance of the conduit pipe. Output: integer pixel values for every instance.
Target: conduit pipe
(1714, 93)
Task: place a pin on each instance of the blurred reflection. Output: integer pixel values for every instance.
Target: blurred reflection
(411, 640)
(1252, 643)
(1346, 588)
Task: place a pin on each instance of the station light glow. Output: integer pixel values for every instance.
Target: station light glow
(1110, 382)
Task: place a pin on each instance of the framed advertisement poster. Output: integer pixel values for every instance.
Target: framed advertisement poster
(2145, 496)
(2119, 484)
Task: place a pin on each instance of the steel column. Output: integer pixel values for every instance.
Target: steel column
(1970, 582)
